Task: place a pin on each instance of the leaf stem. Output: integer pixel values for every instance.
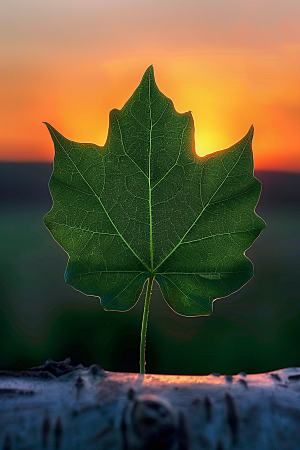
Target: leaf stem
(144, 325)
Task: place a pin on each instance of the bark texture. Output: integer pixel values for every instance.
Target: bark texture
(60, 407)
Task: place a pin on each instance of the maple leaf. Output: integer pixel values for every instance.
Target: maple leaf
(145, 206)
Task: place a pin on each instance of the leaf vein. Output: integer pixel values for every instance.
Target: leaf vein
(99, 199)
(185, 295)
(208, 203)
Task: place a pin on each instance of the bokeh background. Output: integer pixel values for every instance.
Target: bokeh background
(232, 63)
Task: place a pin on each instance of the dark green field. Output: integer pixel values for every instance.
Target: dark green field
(254, 330)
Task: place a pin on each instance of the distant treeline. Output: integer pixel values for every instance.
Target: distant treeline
(28, 183)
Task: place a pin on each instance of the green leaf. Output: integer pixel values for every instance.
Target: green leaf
(145, 205)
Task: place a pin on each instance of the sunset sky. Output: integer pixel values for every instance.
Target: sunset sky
(233, 63)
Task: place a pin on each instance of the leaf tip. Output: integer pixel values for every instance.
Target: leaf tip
(48, 126)
(150, 68)
(149, 72)
(53, 132)
(251, 131)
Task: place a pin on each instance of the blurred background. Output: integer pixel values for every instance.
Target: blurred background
(232, 63)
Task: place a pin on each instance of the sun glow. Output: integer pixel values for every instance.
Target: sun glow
(226, 93)
(207, 143)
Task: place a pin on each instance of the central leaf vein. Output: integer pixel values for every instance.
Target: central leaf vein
(149, 177)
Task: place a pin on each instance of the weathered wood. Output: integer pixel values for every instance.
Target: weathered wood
(57, 406)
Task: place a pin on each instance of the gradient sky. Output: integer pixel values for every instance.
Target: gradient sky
(233, 63)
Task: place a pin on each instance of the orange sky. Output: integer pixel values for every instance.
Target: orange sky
(233, 63)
